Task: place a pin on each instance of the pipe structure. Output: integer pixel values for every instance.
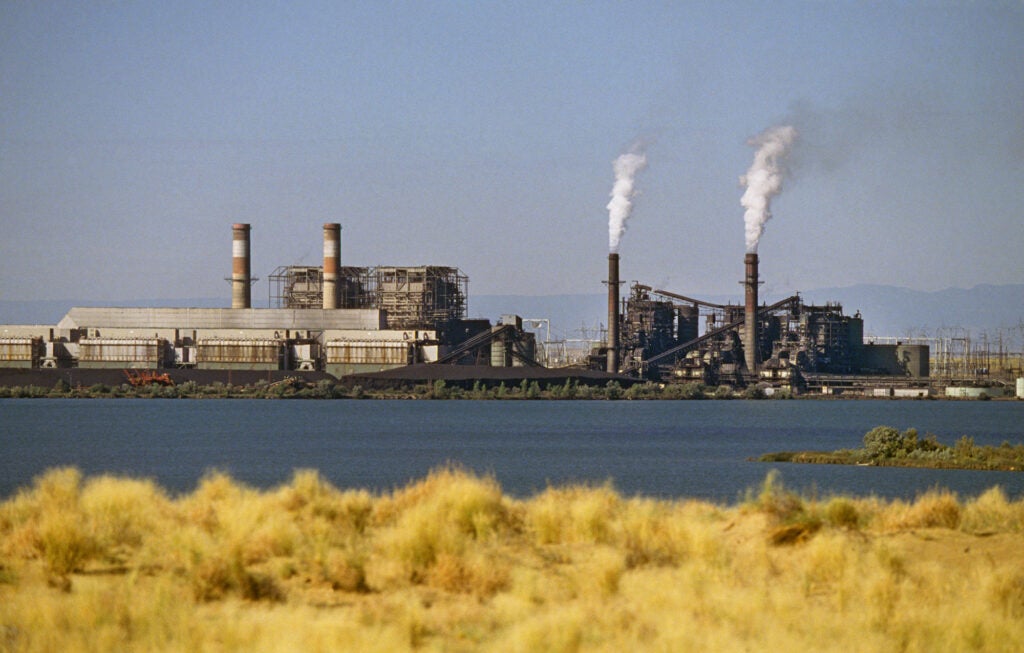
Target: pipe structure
(241, 295)
(332, 262)
(613, 313)
(750, 282)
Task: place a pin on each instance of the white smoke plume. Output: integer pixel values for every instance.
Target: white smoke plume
(626, 167)
(764, 179)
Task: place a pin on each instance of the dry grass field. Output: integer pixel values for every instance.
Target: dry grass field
(450, 563)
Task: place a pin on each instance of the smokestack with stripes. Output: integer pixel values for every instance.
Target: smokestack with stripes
(241, 295)
(332, 262)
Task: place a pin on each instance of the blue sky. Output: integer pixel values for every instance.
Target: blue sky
(482, 134)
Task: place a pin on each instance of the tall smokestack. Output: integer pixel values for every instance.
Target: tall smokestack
(613, 313)
(332, 261)
(241, 296)
(750, 313)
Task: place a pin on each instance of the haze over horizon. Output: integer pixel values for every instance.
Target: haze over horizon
(483, 136)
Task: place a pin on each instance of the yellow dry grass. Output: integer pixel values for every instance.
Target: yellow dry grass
(450, 563)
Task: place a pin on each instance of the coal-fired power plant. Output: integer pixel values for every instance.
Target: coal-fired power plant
(333, 319)
(344, 320)
(655, 335)
(613, 313)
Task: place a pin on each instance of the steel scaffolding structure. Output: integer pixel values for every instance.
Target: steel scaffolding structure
(420, 297)
(301, 286)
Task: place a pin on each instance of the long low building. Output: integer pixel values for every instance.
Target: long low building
(339, 341)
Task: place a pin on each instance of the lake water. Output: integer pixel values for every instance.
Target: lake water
(658, 448)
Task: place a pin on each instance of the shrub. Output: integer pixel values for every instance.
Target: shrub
(934, 509)
(613, 390)
(188, 388)
(993, 512)
(691, 390)
(965, 447)
(723, 392)
(439, 390)
(533, 391)
(123, 511)
(882, 442)
(64, 543)
(568, 391)
(842, 512)
(754, 392)
(432, 523)
(775, 500)
(646, 390)
(212, 578)
(576, 514)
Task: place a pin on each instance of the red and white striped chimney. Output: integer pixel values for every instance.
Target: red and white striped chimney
(241, 295)
(332, 262)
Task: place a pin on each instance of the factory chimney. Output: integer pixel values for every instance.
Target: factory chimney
(332, 261)
(750, 335)
(241, 295)
(613, 313)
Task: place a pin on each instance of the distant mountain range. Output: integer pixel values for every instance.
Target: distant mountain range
(887, 310)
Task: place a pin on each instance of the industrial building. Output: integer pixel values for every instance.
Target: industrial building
(655, 334)
(346, 320)
(334, 319)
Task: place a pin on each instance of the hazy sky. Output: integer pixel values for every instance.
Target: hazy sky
(482, 134)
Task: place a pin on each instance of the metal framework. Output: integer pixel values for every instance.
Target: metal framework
(302, 286)
(420, 297)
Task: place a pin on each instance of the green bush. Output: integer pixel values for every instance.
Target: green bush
(723, 392)
(754, 392)
(613, 390)
(533, 391)
(883, 442)
(439, 390)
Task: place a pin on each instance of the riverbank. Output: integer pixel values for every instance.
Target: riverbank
(262, 385)
(450, 562)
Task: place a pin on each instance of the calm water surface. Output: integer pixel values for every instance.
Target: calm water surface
(659, 448)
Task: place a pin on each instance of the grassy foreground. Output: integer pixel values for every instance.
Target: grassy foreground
(451, 563)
